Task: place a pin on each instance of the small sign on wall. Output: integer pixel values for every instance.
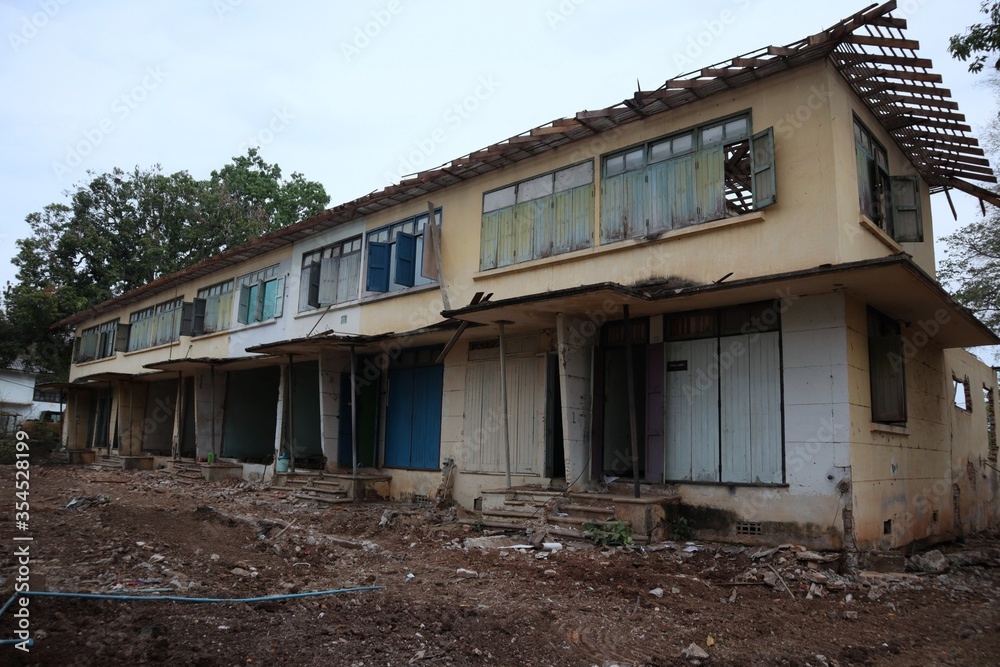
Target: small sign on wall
(677, 366)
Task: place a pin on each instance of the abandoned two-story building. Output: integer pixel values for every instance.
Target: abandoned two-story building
(734, 271)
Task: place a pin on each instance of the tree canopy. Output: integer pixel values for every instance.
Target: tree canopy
(981, 41)
(122, 229)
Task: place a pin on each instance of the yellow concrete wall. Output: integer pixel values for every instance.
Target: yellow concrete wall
(977, 483)
(900, 475)
(856, 241)
(799, 232)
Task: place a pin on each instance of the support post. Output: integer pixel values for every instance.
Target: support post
(630, 378)
(175, 438)
(212, 379)
(354, 413)
(504, 422)
(131, 408)
(291, 415)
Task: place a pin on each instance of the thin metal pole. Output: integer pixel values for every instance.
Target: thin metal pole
(291, 416)
(504, 423)
(131, 407)
(212, 378)
(354, 412)
(630, 375)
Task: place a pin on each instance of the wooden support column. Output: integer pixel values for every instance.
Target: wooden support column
(504, 421)
(354, 411)
(630, 378)
(291, 415)
(175, 438)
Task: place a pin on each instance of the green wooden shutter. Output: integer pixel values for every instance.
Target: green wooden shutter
(313, 275)
(243, 314)
(906, 209)
(187, 319)
(487, 241)
(200, 307)
(326, 290)
(762, 179)
(121, 337)
(279, 296)
(710, 178)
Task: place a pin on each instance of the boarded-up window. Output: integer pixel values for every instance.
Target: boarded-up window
(886, 367)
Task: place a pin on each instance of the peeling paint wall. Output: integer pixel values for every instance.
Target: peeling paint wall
(975, 484)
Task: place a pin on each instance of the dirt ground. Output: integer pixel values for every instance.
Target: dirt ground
(581, 605)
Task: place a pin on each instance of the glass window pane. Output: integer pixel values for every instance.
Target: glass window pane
(711, 134)
(581, 174)
(633, 159)
(614, 165)
(736, 128)
(536, 188)
(683, 143)
(660, 151)
(498, 199)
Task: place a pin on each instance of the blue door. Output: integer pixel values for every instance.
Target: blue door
(413, 420)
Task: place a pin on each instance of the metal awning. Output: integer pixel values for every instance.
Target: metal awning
(236, 363)
(894, 285)
(362, 344)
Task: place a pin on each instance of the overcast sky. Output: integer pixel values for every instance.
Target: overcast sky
(353, 95)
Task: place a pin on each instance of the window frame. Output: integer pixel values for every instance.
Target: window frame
(751, 188)
(313, 279)
(890, 199)
(207, 320)
(105, 339)
(886, 369)
(384, 264)
(256, 287)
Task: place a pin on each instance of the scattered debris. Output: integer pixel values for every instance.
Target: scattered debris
(86, 502)
(932, 562)
(468, 574)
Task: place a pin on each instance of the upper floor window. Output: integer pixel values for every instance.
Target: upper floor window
(886, 367)
(396, 255)
(542, 216)
(330, 275)
(155, 325)
(891, 202)
(100, 342)
(262, 295)
(213, 309)
(705, 173)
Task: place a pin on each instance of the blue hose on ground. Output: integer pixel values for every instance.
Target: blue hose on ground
(171, 598)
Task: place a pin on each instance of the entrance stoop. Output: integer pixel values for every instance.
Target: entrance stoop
(565, 514)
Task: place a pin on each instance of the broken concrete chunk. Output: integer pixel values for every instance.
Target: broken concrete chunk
(468, 574)
(658, 592)
(931, 561)
(695, 652)
(816, 557)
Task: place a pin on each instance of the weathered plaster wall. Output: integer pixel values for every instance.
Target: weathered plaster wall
(975, 484)
(817, 473)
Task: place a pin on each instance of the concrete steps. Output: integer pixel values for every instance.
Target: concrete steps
(320, 490)
(110, 462)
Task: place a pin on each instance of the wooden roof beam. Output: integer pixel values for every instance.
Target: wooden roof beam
(925, 113)
(922, 122)
(884, 42)
(895, 74)
(951, 138)
(876, 87)
(901, 61)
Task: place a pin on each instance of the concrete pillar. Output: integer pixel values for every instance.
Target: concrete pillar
(332, 364)
(576, 339)
(209, 410)
(280, 425)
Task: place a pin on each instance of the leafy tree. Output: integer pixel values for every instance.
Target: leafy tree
(121, 230)
(981, 40)
(971, 267)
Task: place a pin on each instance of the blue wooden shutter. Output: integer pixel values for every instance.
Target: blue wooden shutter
(406, 258)
(378, 267)
(762, 164)
(906, 209)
